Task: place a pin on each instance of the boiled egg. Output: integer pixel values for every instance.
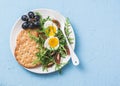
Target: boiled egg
(50, 28)
(51, 43)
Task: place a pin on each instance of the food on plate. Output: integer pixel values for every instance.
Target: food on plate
(45, 46)
(51, 43)
(51, 28)
(26, 49)
(56, 22)
(31, 21)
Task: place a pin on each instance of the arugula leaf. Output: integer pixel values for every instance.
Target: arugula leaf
(33, 37)
(67, 31)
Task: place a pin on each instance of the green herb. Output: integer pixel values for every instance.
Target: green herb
(67, 31)
(43, 20)
(33, 37)
(59, 66)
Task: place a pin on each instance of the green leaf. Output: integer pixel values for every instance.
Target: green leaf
(67, 31)
(33, 37)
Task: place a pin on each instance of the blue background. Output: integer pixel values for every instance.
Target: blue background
(97, 28)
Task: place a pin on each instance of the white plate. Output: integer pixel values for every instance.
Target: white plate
(44, 12)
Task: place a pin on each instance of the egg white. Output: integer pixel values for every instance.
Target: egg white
(50, 23)
(46, 44)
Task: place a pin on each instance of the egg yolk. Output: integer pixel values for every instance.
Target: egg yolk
(51, 30)
(53, 42)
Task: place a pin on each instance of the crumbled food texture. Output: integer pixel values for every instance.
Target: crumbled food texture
(25, 51)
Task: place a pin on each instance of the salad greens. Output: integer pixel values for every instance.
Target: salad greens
(48, 57)
(67, 31)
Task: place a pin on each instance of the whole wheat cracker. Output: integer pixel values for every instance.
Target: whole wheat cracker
(25, 51)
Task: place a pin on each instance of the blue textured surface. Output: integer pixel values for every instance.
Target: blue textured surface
(97, 28)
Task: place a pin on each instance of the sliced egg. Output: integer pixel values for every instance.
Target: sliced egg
(51, 43)
(51, 28)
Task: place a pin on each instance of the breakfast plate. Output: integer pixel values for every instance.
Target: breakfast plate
(45, 13)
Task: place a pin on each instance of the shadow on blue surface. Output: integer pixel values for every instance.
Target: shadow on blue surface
(78, 47)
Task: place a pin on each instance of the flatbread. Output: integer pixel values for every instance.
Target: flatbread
(25, 51)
